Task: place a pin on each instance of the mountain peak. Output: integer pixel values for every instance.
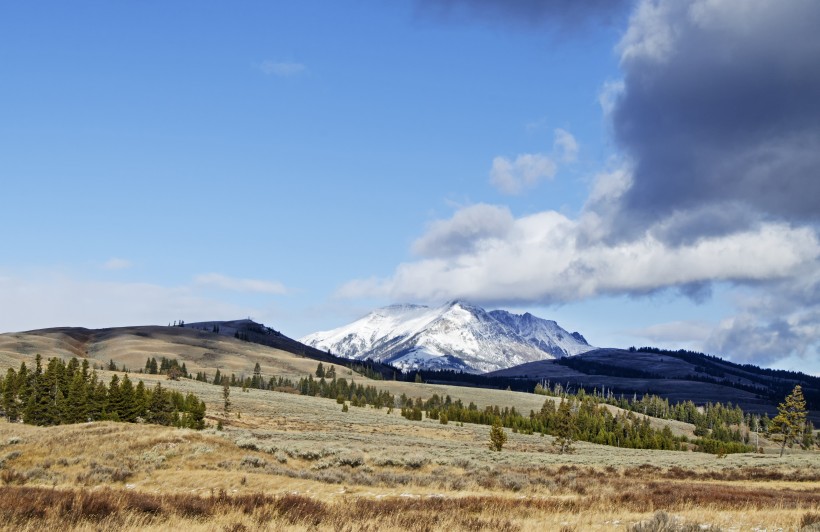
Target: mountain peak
(457, 335)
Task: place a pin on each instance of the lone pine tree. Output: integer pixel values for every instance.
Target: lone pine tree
(564, 427)
(790, 421)
(497, 436)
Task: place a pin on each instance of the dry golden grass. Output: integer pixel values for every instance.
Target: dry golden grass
(290, 462)
(367, 469)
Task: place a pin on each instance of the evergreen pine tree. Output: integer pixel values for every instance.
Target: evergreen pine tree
(790, 420)
(140, 400)
(497, 436)
(256, 380)
(77, 400)
(226, 396)
(160, 408)
(11, 407)
(114, 405)
(564, 429)
(129, 409)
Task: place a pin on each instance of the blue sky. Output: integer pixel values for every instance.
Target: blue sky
(597, 163)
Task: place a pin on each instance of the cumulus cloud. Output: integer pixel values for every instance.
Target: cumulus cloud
(718, 123)
(513, 176)
(566, 147)
(774, 320)
(542, 258)
(468, 228)
(224, 282)
(282, 69)
(718, 109)
(527, 170)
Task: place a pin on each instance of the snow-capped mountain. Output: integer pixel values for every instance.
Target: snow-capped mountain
(455, 336)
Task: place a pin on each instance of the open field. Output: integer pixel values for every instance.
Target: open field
(286, 461)
(291, 462)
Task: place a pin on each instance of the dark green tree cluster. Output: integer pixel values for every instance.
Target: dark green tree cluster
(339, 388)
(329, 386)
(715, 424)
(170, 367)
(256, 381)
(69, 393)
(323, 373)
(589, 421)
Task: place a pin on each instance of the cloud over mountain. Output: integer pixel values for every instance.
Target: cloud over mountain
(718, 123)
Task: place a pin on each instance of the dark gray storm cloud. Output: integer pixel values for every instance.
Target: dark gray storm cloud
(721, 107)
(563, 14)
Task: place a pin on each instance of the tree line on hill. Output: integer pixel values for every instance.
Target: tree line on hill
(771, 384)
(326, 384)
(714, 422)
(590, 421)
(63, 393)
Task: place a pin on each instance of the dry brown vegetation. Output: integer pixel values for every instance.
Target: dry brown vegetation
(290, 462)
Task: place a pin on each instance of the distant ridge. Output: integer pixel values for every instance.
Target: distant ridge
(251, 331)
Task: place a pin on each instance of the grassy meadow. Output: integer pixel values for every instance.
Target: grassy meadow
(289, 462)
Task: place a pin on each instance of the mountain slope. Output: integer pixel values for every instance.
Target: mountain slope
(456, 336)
(675, 375)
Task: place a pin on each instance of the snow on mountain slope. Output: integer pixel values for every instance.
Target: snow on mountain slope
(546, 334)
(455, 336)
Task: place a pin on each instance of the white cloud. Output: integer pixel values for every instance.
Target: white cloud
(528, 169)
(115, 263)
(282, 69)
(467, 229)
(224, 282)
(649, 35)
(512, 177)
(547, 258)
(565, 146)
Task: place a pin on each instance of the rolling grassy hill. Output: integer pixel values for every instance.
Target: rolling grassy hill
(294, 462)
(236, 346)
(675, 375)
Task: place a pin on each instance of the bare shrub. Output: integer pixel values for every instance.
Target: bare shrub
(9, 456)
(253, 461)
(247, 443)
(513, 481)
(458, 483)
(415, 461)
(11, 476)
(100, 474)
(352, 459)
(810, 522)
(387, 461)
